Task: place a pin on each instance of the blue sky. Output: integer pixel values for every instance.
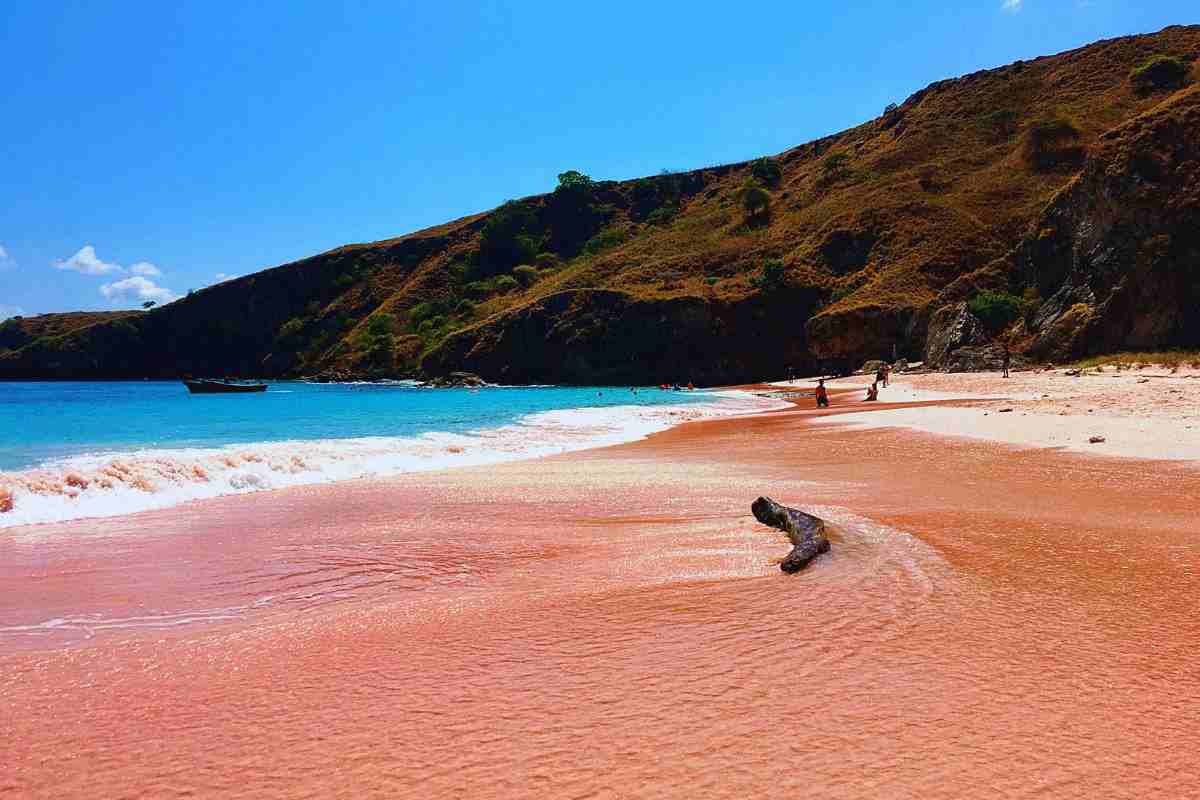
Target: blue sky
(153, 147)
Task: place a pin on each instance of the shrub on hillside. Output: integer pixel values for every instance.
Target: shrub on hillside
(753, 198)
(547, 261)
(834, 167)
(773, 275)
(505, 284)
(290, 330)
(604, 240)
(478, 290)
(381, 325)
(465, 308)
(1159, 74)
(430, 325)
(996, 310)
(508, 238)
(573, 181)
(767, 171)
(1053, 143)
(525, 274)
(571, 214)
(662, 216)
(423, 311)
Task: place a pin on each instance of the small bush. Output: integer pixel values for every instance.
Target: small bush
(712, 280)
(753, 198)
(773, 275)
(478, 290)
(1052, 143)
(525, 274)
(465, 308)
(767, 171)
(1159, 74)
(381, 325)
(423, 311)
(604, 240)
(662, 216)
(995, 309)
(834, 167)
(430, 325)
(505, 284)
(290, 330)
(547, 261)
(575, 181)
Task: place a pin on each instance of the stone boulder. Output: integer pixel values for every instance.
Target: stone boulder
(950, 328)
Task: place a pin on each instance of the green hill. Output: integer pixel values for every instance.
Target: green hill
(1054, 203)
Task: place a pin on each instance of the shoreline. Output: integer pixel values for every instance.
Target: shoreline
(1151, 413)
(613, 621)
(117, 483)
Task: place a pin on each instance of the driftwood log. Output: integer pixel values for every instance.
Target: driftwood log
(806, 532)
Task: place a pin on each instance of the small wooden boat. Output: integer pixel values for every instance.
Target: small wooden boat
(222, 387)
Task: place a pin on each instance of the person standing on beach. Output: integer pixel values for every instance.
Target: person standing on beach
(822, 394)
(887, 374)
(1007, 359)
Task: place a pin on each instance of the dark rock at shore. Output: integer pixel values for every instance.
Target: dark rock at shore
(952, 328)
(985, 358)
(456, 380)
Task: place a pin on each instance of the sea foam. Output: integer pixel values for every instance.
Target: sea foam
(118, 483)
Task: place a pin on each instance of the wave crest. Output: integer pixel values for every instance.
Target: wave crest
(114, 484)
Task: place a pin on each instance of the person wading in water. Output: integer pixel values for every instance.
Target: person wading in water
(822, 394)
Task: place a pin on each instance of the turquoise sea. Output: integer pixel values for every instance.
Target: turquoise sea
(72, 450)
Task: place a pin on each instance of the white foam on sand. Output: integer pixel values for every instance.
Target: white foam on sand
(114, 484)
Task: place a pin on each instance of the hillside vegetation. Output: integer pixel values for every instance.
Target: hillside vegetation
(1051, 203)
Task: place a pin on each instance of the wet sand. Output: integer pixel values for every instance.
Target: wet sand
(994, 621)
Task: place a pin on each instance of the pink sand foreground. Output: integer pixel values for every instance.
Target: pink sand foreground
(993, 621)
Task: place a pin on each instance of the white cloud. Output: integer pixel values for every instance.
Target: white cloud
(145, 268)
(1012, 6)
(226, 276)
(86, 262)
(10, 311)
(137, 289)
(6, 261)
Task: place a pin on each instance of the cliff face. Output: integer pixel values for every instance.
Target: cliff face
(596, 335)
(1117, 253)
(1069, 181)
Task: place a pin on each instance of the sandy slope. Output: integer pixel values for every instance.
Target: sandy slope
(1144, 413)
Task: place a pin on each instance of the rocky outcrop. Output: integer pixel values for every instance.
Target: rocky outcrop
(952, 327)
(456, 380)
(1117, 254)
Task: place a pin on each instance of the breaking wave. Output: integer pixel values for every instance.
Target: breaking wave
(114, 484)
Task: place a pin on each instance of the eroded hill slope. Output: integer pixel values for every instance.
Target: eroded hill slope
(1064, 186)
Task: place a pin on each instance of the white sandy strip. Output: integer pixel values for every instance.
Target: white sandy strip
(1035, 421)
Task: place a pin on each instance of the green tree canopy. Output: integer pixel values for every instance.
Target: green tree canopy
(508, 238)
(753, 198)
(767, 170)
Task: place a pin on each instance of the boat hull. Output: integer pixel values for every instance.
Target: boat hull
(216, 387)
